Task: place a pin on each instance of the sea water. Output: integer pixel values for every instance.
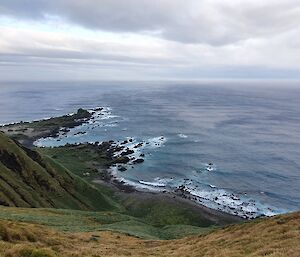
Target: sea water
(249, 133)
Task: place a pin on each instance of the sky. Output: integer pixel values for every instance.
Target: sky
(149, 40)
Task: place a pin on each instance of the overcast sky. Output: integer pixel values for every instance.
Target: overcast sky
(143, 39)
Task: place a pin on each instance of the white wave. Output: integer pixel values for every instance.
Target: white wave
(163, 180)
(228, 202)
(42, 142)
(104, 113)
(111, 125)
(207, 195)
(156, 142)
(99, 117)
(138, 147)
(155, 184)
(182, 135)
(136, 185)
(209, 168)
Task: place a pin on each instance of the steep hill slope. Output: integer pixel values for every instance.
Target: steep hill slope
(276, 237)
(33, 179)
(28, 179)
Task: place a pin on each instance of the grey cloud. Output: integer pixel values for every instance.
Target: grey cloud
(213, 22)
(189, 39)
(35, 56)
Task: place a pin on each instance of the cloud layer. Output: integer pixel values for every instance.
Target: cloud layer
(160, 38)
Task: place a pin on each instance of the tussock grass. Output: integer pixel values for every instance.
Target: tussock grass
(83, 221)
(275, 237)
(29, 179)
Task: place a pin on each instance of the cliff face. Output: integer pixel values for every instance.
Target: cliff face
(28, 179)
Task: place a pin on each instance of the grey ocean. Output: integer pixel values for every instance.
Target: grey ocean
(250, 132)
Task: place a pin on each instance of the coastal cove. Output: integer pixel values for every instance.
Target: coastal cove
(94, 173)
(98, 162)
(149, 128)
(150, 167)
(183, 129)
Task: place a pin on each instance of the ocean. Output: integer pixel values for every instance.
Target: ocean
(234, 145)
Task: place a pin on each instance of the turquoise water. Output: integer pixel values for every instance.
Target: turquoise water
(249, 131)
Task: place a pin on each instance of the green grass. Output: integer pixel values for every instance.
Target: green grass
(161, 212)
(84, 158)
(80, 158)
(83, 221)
(170, 219)
(28, 179)
(156, 212)
(43, 180)
(275, 237)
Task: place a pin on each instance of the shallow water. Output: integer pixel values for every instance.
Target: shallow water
(251, 134)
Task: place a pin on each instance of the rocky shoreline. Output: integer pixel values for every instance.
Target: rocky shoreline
(28, 132)
(119, 156)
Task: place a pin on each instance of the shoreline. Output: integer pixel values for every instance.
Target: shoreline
(119, 155)
(126, 192)
(29, 131)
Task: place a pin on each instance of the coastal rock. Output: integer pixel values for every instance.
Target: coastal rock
(138, 145)
(80, 133)
(123, 159)
(122, 168)
(82, 113)
(138, 161)
(65, 130)
(127, 152)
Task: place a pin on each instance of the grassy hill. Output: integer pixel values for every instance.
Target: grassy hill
(73, 217)
(275, 237)
(33, 179)
(83, 221)
(28, 179)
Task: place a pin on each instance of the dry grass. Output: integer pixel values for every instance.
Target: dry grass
(278, 236)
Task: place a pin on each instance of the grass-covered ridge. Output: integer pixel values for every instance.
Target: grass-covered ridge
(83, 221)
(275, 237)
(28, 179)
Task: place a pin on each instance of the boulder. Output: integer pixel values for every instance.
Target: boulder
(138, 161)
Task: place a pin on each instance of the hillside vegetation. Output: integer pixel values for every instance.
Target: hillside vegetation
(32, 179)
(83, 221)
(74, 217)
(275, 237)
(28, 179)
